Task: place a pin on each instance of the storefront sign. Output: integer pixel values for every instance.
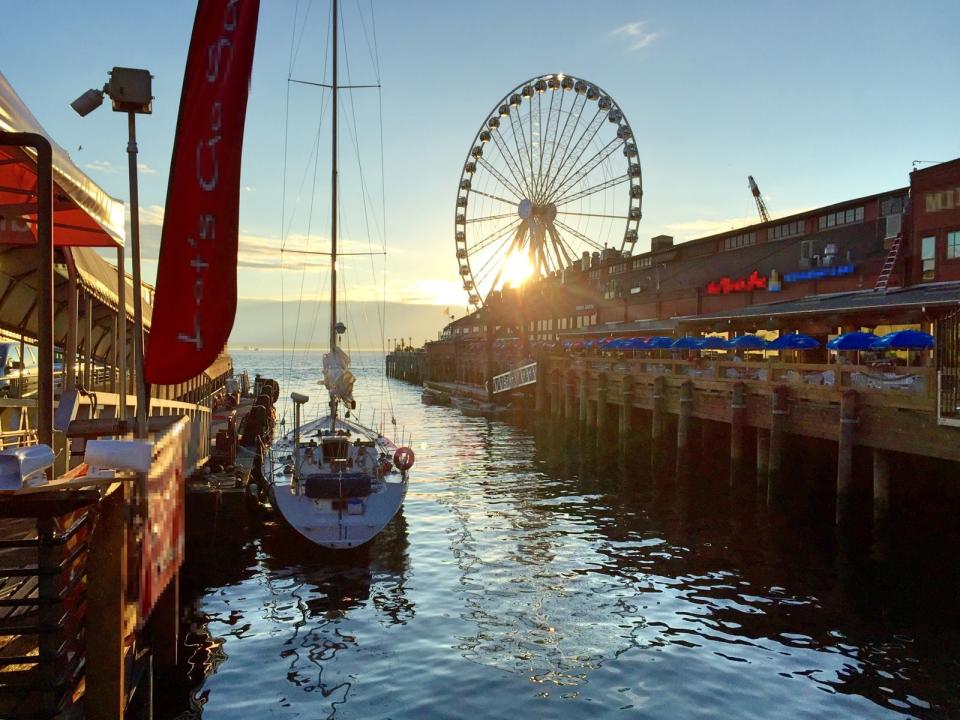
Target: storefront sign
(726, 285)
(817, 273)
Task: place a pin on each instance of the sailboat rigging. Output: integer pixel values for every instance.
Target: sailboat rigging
(335, 481)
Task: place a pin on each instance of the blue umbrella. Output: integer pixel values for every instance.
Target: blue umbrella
(713, 342)
(614, 343)
(633, 343)
(686, 343)
(567, 344)
(605, 342)
(748, 342)
(658, 342)
(794, 341)
(853, 341)
(905, 340)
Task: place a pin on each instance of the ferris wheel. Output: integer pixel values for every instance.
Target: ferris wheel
(553, 172)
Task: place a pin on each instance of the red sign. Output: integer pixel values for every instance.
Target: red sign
(196, 296)
(725, 285)
(163, 537)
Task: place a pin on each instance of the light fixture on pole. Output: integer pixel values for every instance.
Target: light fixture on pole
(130, 91)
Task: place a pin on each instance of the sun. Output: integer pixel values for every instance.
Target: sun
(517, 269)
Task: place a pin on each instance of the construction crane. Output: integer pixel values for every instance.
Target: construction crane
(761, 208)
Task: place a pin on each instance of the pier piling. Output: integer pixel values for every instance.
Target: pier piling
(584, 399)
(626, 408)
(738, 408)
(603, 413)
(657, 424)
(778, 422)
(763, 456)
(881, 487)
(570, 398)
(848, 429)
(683, 425)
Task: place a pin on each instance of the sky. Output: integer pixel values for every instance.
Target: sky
(819, 101)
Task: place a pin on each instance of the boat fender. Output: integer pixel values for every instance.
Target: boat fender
(403, 459)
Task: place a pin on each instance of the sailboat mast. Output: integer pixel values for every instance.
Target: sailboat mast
(333, 217)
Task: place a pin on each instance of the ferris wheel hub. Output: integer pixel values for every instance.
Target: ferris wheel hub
(526, 210)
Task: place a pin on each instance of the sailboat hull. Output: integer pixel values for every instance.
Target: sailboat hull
(332, 520)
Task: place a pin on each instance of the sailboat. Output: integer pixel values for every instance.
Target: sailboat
(333, 480)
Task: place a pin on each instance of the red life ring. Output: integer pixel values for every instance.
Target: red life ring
(403, 459)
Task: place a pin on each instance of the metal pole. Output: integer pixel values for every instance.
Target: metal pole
(141, 416)
(122, 330)
(73, 308)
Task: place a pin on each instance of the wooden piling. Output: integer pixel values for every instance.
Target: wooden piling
(602, 414)
(626, 408)
(584, 398)
(683, 425)
(540, 393)
(570, 398)
(881, 487)
(778, 424)
(658, 422)
(848, 430)
(763, 456)
(738, 410)
(107, 610)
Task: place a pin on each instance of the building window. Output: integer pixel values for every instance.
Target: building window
(928, 257)
(790, 229)
(953, 245)
(806, 250)
(736, 242)
(841, 217)
(642, 262)
(618, 269)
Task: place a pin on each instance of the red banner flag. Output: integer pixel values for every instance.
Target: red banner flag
(196, 295)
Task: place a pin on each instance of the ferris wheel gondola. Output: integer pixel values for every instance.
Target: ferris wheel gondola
(552, 173)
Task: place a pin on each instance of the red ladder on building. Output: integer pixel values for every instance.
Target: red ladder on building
(883, 278)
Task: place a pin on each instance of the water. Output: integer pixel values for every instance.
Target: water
(526, 579)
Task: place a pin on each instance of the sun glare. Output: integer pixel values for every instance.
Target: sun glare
(517, 269)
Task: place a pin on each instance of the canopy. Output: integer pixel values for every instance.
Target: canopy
(713, 342)
(658, 342)
(905, 340)
(748, 342)
(686, 343)
(856, 340)
(794, 341)
(83, 214)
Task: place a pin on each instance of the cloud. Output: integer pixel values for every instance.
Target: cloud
(247, 188)
(104, 166)
(146, 169)
(637, 37)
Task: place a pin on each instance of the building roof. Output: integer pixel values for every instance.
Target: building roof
(915, 296)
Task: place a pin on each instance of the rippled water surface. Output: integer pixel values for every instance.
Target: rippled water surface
(524, 579)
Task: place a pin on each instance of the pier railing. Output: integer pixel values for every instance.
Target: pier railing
(895, 386)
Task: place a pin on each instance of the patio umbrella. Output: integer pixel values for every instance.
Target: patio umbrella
(658, 342)
(635, 343)
(904, 340)
(794, 341)
(686, 343)
(853, 341)
(713, 342)
(748, 342)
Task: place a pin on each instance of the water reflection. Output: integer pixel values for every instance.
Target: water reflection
(307, 596)
(530, 577)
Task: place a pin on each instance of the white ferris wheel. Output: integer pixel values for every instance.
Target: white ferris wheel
(553, 172)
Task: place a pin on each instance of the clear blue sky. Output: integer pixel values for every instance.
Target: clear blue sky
(820, 101)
